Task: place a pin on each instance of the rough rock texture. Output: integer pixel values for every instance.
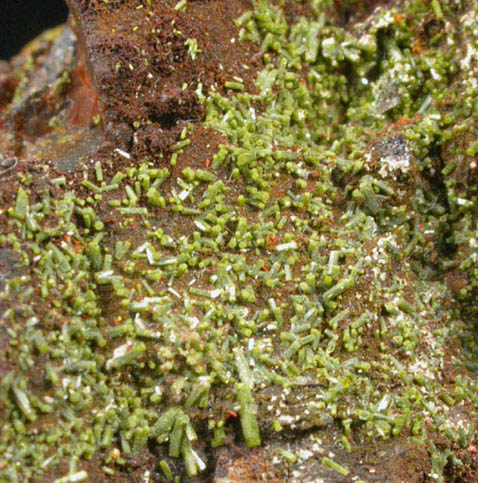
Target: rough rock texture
(145, 78)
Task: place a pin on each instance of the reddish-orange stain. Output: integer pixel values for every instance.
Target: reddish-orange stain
(416, 49)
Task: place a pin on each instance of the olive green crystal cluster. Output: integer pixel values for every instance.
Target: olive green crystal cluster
(316, 272)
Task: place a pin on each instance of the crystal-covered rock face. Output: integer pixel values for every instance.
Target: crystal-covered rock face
(238, 242)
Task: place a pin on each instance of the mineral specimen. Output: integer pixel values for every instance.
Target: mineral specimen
(238, 242)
